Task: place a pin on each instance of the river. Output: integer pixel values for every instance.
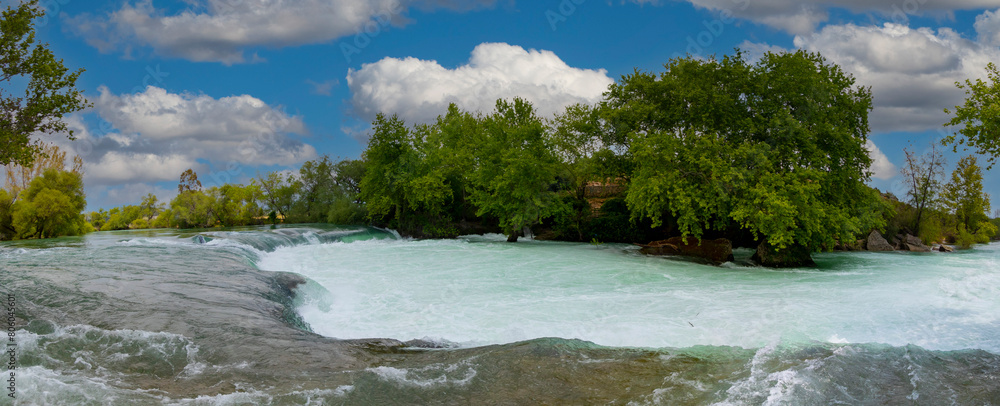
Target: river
(351, 315)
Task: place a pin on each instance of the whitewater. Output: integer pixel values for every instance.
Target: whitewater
(352, 315)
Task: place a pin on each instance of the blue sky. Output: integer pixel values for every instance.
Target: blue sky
(238, 87)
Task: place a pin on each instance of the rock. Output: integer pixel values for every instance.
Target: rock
(877, 243)
(795, 256)
(945, 248)
(715, 251)
(913, 244)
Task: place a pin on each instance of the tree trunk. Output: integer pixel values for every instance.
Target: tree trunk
(512, 237)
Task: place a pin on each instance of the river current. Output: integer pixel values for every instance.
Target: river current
(349, 315)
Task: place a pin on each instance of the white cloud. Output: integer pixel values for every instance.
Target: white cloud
(420, 90)
(881, 167)
(803, 17)
(911, 71)
(988, 27)
(155, 135)
(220, 31)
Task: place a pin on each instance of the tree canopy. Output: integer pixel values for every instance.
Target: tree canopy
(50, 91)
(979, 116)
(778, 147)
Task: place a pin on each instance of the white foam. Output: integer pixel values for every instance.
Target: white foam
(480, 290)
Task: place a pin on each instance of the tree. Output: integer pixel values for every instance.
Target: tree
(980, 116)
(49, 93)
(189, 182)
(48, 156)
(51, 206)
(776, 148)
(964, 196)
(515, 169)
(278, 191)
(921, 175)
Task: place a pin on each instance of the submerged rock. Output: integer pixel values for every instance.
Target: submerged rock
(715, 251)
(878, 243)
(791, 257)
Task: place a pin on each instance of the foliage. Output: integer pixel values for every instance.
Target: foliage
(964, 197)
(776, 147)
(51, 206)
(49, 93)
(979, 116)
(921, 174)
(279, 191)
(189, 182)
(193, 209)
(516, 168)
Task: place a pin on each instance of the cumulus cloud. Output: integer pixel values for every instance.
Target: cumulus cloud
(420, 90)
(911, 71)
(155, 135)
(221, 30)
(988, 27)
(881, 167)
(803, 17)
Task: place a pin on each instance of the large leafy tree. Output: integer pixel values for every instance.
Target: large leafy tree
(51, 206)
(49, 93)
(515, 171)
(979, 116)
(776, 147)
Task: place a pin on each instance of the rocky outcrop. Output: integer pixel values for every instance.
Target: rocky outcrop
(715, 251)
(795, 256)
(913, 244)
(878, 243)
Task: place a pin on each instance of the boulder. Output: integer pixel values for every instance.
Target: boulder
(913, 244)
(946, 248)
(795, 256)
(877, 243)
(715, 251)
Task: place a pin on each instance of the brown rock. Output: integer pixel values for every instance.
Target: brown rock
(913, 244)
(715, 251)
(877, 243)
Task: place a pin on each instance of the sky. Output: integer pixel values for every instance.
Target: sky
(236, 88)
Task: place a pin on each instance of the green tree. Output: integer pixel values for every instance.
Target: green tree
(922, 176)
(515, 171)
(49, 93)
(979, 116)
(279, 191)
(193, 209)
(776, 147)
(317, 191)
(964, 196)
(51, 206)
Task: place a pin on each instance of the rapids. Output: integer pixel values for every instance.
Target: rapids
(350, 315)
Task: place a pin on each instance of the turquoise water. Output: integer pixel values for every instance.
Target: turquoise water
(262, 316)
